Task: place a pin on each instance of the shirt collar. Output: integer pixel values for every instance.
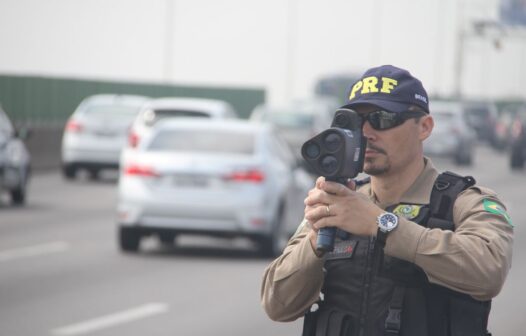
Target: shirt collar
(419, 192)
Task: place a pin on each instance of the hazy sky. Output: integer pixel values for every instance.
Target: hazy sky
(281, 45)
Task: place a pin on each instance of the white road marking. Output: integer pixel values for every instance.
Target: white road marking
(111, 320)
(32, 251)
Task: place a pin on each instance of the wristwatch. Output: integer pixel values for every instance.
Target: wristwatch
(386, 222)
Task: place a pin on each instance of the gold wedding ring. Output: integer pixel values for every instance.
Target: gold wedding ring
(328, 210)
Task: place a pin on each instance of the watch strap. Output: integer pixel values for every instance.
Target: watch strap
(381, 237)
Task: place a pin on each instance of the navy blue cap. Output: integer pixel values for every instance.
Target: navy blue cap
(389, 88)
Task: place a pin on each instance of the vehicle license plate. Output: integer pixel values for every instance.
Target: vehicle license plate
(106, 133)
(191, 180)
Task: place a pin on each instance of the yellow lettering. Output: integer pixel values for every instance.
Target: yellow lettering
(369, 84)
(388, 84)
(355, 89)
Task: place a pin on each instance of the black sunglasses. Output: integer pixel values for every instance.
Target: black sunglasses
(383, 120)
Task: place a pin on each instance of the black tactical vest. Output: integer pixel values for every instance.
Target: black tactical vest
(367, 293)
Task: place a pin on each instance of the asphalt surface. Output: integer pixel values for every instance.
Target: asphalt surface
(61, 272)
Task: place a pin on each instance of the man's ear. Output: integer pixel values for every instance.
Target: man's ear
(426, 127)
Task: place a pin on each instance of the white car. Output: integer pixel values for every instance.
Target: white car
(298, 120)
(15, 161)
(96, 133)
(211, 177)
(451, 136)
(175, 107)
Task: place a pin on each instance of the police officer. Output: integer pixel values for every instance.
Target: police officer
(417, 252)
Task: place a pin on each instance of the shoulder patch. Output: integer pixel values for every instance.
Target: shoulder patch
(407, 211)
(497, 209)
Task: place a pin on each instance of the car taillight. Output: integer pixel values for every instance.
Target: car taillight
(500, 129)
(133, 139)
(138, 170)
(516, 129)
(74, 126)
(455, 130)
(252, 175)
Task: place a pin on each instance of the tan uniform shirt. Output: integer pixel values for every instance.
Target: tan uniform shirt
(474, 259)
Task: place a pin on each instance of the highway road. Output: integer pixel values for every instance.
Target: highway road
(61, 273)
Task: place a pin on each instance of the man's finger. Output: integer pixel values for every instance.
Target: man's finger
(334, 188)
(351, 184)
(322, 222)
(319, 181)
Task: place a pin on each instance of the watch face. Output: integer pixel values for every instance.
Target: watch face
(388, 221)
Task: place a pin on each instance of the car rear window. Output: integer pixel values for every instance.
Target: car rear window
(443, 117)
(291, 120)
(180, 113)
(224, 141)
(112, 110)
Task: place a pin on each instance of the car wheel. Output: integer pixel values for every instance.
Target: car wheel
(69, 171)
(18, 196)
(517, 158)
(463, 158)
(129, 239)
(273, 244)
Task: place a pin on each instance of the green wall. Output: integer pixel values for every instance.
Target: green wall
(50, 101)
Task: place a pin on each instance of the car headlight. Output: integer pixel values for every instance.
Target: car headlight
(14, 154)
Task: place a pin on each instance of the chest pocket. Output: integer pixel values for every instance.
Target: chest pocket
(398, 270)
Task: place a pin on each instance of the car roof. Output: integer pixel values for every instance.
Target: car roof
(440, 106)
(234, 125)
(115, 98)
(304, 106)
(187, 103)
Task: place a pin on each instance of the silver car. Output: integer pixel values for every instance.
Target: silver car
(451, 136)
(222, 178)
(96, 133)
(176, 107)
(14, 161)
(298, 120)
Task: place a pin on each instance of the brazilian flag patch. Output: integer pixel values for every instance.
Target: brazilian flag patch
(497, 209)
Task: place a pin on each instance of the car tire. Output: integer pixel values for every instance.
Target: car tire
(272, 245)
(129, 239)
(463, 160)
(464, 156)
(69, 171)
(517, 158)
(18, 196)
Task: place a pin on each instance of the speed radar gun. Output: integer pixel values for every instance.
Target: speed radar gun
(337, 154)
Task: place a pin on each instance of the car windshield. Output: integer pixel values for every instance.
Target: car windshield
(224, 141)
(443, 118)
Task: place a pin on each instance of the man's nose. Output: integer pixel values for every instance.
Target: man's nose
(368, 131)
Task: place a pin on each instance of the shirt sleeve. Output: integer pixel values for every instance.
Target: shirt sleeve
(292, 282)
(475, 258)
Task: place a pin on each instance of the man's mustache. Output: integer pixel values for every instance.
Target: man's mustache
(376, 148)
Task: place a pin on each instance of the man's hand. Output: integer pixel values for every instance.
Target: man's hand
(331, 204)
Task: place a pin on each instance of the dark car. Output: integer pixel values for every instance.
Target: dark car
(482, 116)
(518, 140)
(14, 161)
